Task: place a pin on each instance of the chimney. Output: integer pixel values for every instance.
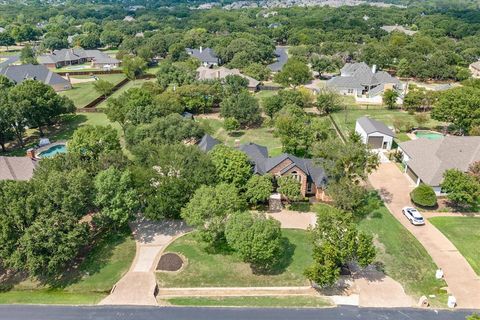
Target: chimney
(201, 49)
(374, 68)
(31, 153)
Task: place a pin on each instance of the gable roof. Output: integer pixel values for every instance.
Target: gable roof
(16, 168)
(371, 126)
(475, 65)
(74, 54)
(206, 55)
(429, 159)
(398, 29)
(204, 73)
(33, 72)
(207, 143)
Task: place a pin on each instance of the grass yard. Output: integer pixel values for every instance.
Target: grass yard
(464, 233)
(261, 301)
(226, 270)
(347, 124)
(129, 85)
(262, 136)
(88, 284)
(402, 256)
(84, 93)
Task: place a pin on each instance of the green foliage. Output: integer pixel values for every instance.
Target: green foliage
(345, 194)
(272, 105)
(473, 317)
(133, 67)
(289, 187)
(209, 209)
(337, 241)
(27, 55)
(257, 71)
(462, 189)
(424, 196)
(91, 141)
(256, 239)
(174, 74)
(243, 107)
(232, 166)
(231, 124)
(329, 101)
(294, 73)
(167, 176)
(258, 189)
(200, 97)
(116, 197)
(6, 40)
(390, 98)
(103, 87)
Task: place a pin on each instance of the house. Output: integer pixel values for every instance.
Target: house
(312, 177)
(207, 56)
(17, 168)
(282, 58)
(129, 19)
(67, 57)
(204, 73)
(426, 160)
(207, 143)
(366, 84)
(374, 133)
(19, 73)
(475, 69)
(397, 28)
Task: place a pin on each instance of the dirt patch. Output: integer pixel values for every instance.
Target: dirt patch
(170, 262)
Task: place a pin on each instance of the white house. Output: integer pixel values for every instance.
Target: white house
(374, 133)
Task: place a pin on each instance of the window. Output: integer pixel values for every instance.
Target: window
(296, 176)
(309, 187)
(350, 90)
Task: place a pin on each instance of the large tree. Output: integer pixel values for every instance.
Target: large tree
(243, 107)
(91, 141)
(294, 73)
(329, 101)
(232, 165)
(259, 188)
(133, 67)
(461, 188)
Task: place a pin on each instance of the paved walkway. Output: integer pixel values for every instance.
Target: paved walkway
(138, 286)
(373, 288)
(463, 283)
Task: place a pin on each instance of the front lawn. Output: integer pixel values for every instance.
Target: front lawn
(87, 284)
(226, 270)
(84, 93)
(260, 301)
(402, 256)
(464, 233)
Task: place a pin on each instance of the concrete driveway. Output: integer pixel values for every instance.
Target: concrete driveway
(394, 187)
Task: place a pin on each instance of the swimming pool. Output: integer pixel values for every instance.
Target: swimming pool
(52, 151)
(432, 135)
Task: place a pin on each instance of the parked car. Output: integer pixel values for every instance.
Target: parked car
(413, 216)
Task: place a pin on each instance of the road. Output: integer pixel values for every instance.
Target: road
(22, 312)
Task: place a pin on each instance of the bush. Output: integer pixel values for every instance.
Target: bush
(424, 196)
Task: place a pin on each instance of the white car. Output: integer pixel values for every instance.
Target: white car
(413, 216)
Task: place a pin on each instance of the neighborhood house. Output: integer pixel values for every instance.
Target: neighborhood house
(397, 28)
(35, 72)
(207, 56)
(374, 133)
(17, 168)
(67, 57)
(204, 73)
(426, 160)
(366, 84)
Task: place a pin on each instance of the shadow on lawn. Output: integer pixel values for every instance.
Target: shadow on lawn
(286, 258)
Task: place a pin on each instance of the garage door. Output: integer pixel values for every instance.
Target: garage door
(375, 142)
(412, 175)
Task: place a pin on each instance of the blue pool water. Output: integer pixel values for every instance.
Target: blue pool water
(60, 148)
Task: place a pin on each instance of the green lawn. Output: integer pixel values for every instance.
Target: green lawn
(402, 256)
(262, 136)
(88, 284)
(464, 233)
(84, 93)
(226, 270)
(347, 124)
(129, 85)
(261, 301)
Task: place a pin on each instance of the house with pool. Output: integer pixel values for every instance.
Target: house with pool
(426, 160)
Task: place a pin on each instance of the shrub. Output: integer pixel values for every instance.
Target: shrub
(424, 196)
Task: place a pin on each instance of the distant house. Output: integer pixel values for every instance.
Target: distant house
(129, 19)
(366, 84)
(427, 160)
(67, 57)
(17, 168)
(204, 73)
(374, 133)
(207, 143)
(398, 28)
(40, 73)
(207, 56)
(475, 69)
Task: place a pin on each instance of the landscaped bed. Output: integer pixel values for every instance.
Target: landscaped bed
(464, 233)
(170, 262)
(226, 270)
(403, 257)
(261, 301)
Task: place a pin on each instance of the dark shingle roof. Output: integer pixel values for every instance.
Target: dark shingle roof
(206, 55)
(207, 143)
(33, 72)
(371, 126)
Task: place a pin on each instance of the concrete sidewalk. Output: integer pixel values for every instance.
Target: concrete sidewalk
(463, 283)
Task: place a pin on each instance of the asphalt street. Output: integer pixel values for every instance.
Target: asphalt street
(23, 312)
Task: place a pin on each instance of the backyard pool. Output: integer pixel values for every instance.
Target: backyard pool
(52, 151)
(432, 135)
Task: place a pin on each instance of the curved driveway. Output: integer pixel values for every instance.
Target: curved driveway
(463, 283)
